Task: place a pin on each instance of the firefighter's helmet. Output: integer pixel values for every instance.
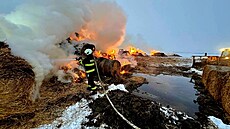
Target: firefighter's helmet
(88, 51)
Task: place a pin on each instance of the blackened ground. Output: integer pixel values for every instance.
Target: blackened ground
(141, 112)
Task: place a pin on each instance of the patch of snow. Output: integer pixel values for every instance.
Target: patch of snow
(110, 88)
(102, 126)
(165, 111)
(180, 113)
(171, 114)
(117, 87)
(218, 122)
(188, 64)
(74, 116)
(166, 65)
(98, 95)
(196, 71)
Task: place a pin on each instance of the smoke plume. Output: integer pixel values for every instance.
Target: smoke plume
(33, 29)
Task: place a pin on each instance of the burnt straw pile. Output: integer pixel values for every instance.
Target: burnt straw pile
(16, 82)
(142, 112)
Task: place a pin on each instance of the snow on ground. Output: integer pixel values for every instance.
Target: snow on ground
(74, 116)
(171, 113)
(110, 88)
(171, 62)
(196, 71)
(117, 87)
(186, 62)
(218, 122)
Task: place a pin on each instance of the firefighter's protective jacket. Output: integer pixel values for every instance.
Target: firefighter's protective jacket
(89, 64)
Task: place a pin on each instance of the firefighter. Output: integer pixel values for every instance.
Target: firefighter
(89, 65)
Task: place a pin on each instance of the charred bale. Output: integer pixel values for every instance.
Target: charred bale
(127, 70)
(109, 68)
(159, 54)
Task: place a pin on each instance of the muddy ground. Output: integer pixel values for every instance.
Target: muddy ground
(145, 113)
(181, 66)
(56, 96)
(163, 65)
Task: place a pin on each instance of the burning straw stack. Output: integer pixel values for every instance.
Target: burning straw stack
(16, 82)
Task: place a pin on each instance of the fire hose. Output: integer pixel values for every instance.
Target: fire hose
(102, 84)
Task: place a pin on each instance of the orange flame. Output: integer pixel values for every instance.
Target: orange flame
(132, 50)
(111, 54)
(97, 54)
(75, 77)
(70, 69)
(123, 72)
(83, 74)
(153, 52)
(135, 51)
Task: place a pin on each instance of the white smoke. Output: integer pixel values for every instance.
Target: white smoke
(33, 29)
(108, 25)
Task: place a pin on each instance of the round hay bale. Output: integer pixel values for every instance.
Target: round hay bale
(109, 68)
(16, 83)
(225, 93)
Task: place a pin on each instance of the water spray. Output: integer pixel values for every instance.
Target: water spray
(63, 60)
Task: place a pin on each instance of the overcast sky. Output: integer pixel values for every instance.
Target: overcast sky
(180, 25)
(173, 25)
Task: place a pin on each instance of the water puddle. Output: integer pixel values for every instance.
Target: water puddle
(176, 91)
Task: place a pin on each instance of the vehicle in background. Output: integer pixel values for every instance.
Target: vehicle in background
(222, 60)
(225, 57)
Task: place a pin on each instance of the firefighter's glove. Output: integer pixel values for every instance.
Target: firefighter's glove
(79, 59)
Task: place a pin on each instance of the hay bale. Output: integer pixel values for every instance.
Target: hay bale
(205, 75)
(216, 80)
(225, 93)
(161, 54)
(109, 68)
(16, 83)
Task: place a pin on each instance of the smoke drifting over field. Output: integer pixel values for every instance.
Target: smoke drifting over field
(33, 29)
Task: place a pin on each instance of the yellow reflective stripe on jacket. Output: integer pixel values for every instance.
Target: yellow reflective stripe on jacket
(91, 60)
(89, 71)
(92, 64)
(80, 61)
(93, 88)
